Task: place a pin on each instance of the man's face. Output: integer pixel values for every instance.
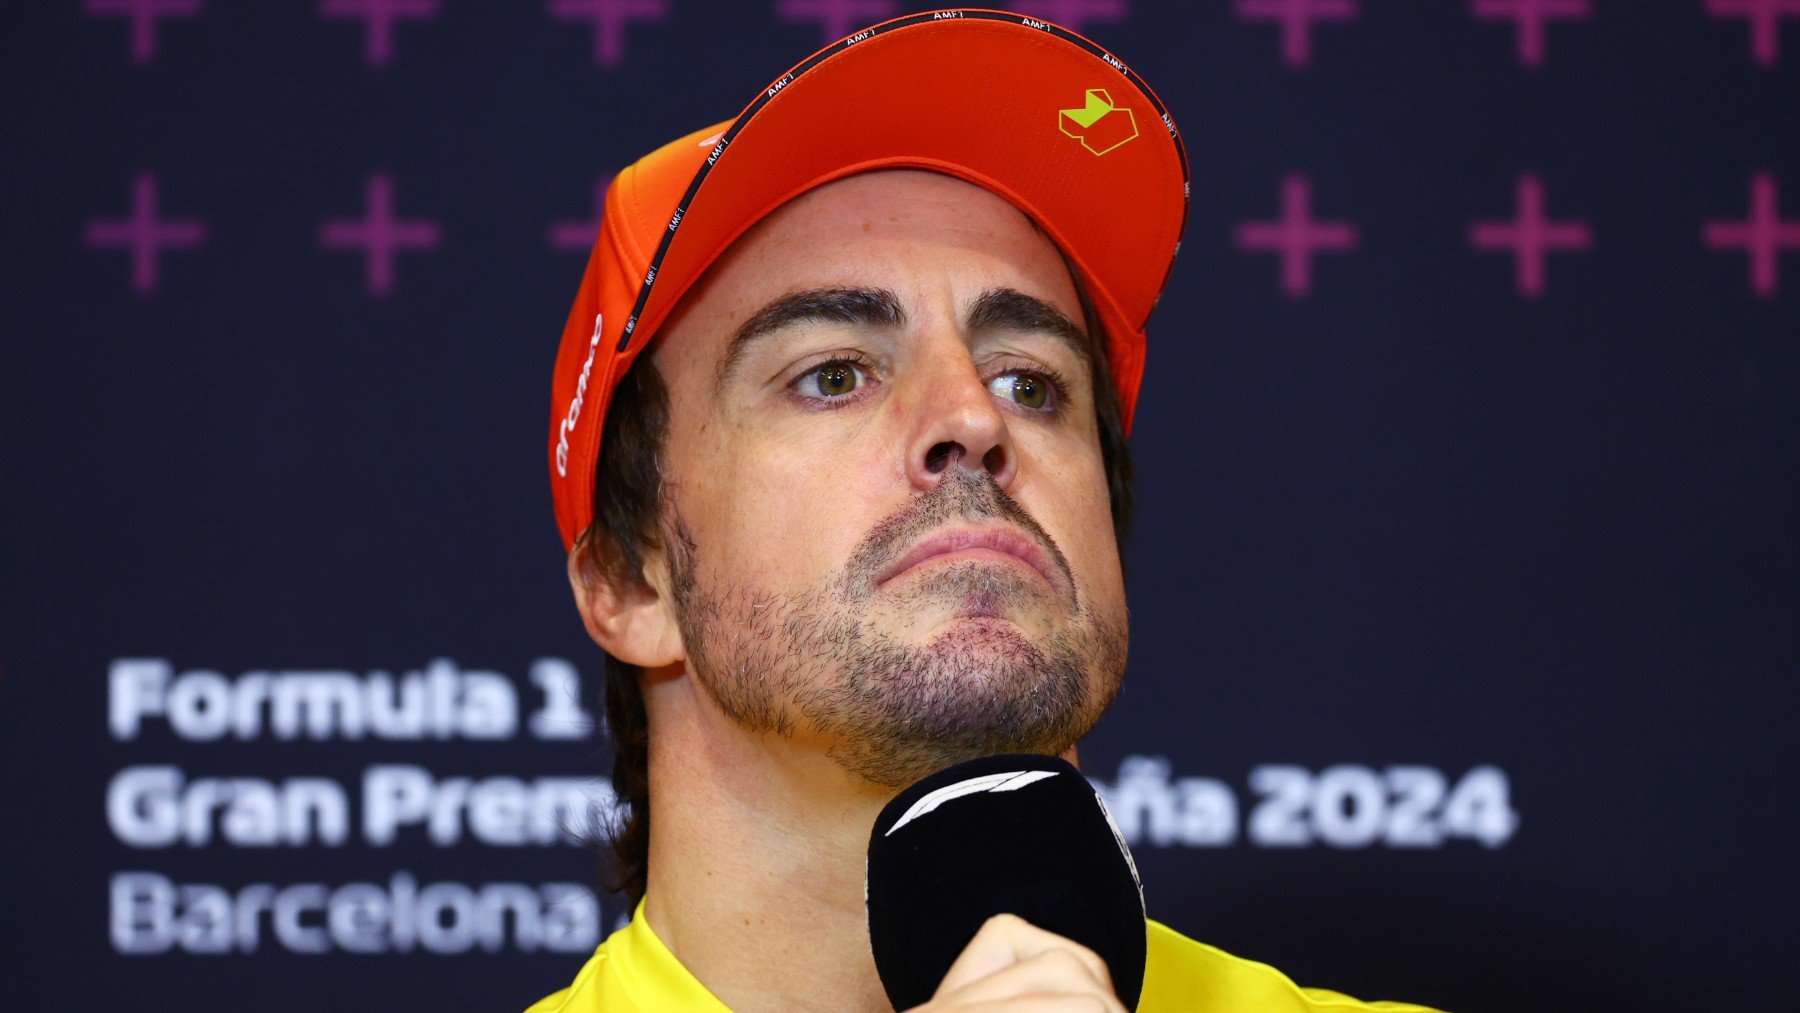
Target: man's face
(887, 525)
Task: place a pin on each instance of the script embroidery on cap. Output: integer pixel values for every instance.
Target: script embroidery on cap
(568, 423)
(1099, 125)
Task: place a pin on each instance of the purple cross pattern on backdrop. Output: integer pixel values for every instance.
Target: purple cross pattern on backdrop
(1765, 18)
(379, 235)
(1764, 235)
(378, 18)
(1531, 16)
(144, 234)
(143, 15)
(609, 18)
(1296, 236)
(1530, 236)
(1296, 18)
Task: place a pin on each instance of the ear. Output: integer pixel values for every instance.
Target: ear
(635, 624)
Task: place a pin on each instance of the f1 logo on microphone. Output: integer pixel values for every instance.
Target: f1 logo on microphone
(1011, 780)
(1099, 125)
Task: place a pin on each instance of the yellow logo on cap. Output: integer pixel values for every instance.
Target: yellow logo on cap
(1100, 126)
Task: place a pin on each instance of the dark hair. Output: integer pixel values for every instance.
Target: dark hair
(627, 503)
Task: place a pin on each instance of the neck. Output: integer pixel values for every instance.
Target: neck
(757, 856)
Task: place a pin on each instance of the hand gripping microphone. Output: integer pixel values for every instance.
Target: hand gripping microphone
(1022, 835)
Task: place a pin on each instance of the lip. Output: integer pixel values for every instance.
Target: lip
(1004, 540)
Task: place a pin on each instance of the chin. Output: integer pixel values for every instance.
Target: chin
(978, 632)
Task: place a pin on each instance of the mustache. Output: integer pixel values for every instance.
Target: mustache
(960, 495)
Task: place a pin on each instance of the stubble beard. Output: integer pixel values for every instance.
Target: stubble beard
(895, 711)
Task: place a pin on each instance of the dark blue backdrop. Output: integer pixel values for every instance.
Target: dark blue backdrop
(1466, 600)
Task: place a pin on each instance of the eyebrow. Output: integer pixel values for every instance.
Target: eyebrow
(996, 309)
(1006, 309)
(877, 307)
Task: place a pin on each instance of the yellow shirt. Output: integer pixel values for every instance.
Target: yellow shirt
(633, 970)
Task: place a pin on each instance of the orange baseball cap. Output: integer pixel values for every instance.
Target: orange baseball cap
(1033, 112)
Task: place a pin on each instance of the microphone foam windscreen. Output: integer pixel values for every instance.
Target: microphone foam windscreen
(1022, 835)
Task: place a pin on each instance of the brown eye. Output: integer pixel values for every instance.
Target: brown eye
(833, 379)
(1027, 389)
(837, 378)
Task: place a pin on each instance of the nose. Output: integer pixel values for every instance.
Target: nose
(957, 423)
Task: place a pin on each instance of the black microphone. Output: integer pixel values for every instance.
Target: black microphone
(1022, 835)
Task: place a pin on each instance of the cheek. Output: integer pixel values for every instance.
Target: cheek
(1078, 513)
(782, 515)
